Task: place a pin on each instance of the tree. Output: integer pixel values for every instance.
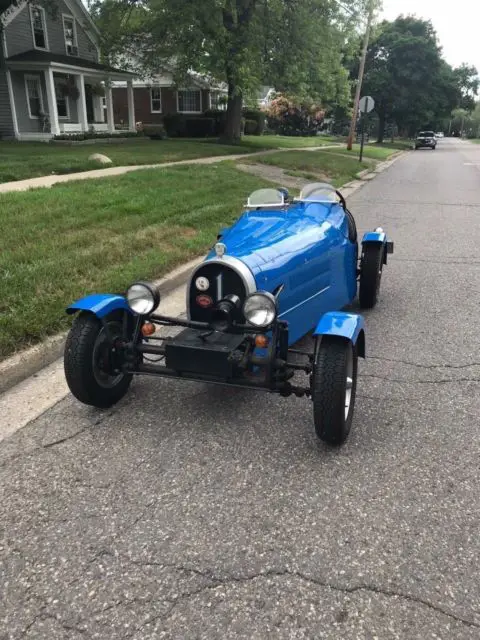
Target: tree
(295, 45)
(467, 82)
(411, 83)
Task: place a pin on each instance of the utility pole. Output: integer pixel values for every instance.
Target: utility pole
(361, 70)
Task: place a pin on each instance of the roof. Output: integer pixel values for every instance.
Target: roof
(86, 13)
(46, 57)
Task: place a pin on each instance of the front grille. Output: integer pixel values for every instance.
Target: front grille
(223, 281)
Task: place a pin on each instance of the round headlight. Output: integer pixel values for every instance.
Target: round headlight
(260, 309)
(143, 298)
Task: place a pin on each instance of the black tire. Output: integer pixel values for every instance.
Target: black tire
(87, 381)
(335, 359)
(371, 266)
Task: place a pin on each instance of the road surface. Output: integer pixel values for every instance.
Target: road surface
(192, 512)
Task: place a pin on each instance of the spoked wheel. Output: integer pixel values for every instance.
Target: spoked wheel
(371, 267)
(334, 386)
(92, 368)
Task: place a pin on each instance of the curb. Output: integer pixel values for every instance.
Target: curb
(27, 363)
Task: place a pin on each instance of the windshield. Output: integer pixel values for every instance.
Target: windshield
(266, 198)
(319, 192)
(426, 134)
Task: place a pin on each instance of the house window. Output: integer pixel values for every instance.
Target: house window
(34, 96)
(62, 101)
(39, 27)
(217, 100)
(155, 100)
(189, 101)
(70, 35)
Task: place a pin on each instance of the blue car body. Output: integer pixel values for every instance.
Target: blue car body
(304, 247)
(284, 269)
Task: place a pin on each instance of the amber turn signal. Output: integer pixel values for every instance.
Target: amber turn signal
(148, 329)
(261, 341)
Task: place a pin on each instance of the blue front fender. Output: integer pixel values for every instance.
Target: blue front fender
(378, 237)
(100, 304)
(343, 325)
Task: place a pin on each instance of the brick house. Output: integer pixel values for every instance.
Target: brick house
(159, 96)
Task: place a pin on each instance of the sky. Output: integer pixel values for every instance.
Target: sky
(457, 25)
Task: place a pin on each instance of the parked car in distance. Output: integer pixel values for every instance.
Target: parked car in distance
(439, 134)
(287, 267)
(426, 139)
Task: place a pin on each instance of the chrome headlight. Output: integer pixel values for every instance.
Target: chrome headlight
(260, 309)
(143, 298)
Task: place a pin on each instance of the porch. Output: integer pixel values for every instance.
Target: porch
(52, 98)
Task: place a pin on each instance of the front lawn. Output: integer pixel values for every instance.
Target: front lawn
(314, 165)
(21, 160)
(62, 243)
(288, 142)
(373, 151)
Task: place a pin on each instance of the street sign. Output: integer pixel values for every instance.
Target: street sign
(366, 104)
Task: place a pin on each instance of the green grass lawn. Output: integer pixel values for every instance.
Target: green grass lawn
(288, 142)
(372, 151)
(62, 243)
(315, 165)
(21, 160)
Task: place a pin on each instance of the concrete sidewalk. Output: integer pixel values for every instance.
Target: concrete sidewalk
(48, 181)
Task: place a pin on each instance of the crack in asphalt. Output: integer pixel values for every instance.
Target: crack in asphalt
(415, 382)
(425, 366)
(43, 615)
(463, 261)
(216, 582)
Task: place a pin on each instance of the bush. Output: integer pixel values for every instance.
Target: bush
(200, 127)
(155, 131)
(290, 118)
(251, 127)
(259, 117)
(92, 135)
(220, 118)
(175, 125)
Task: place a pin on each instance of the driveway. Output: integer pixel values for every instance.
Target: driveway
(193, 512)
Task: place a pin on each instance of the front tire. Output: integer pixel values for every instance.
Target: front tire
(334, 386)
(88, 362)
(371, 267)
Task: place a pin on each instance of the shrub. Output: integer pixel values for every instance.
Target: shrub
(220, 118)
(251, 127)
(289, 117)
(175, 125)
(92, 135)
(200, 127)
(258, 116)
(154, 131)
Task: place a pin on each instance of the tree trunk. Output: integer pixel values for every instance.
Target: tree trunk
(381, 125)
(233, 125)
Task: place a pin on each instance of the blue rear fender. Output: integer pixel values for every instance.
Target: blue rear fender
(100, 304)
(349, 326)
(378, 237)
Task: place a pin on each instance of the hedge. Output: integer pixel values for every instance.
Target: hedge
(200, 127)
(258, 116)
(251, 127)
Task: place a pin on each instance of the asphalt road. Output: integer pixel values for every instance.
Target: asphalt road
(193, 512)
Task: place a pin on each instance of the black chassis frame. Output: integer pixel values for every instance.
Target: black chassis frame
(126, 354)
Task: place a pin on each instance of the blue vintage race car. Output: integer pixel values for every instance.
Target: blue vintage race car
(285, 268)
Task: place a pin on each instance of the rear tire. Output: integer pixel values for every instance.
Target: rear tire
(371, 266)
(87, 376)
(334, 387)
